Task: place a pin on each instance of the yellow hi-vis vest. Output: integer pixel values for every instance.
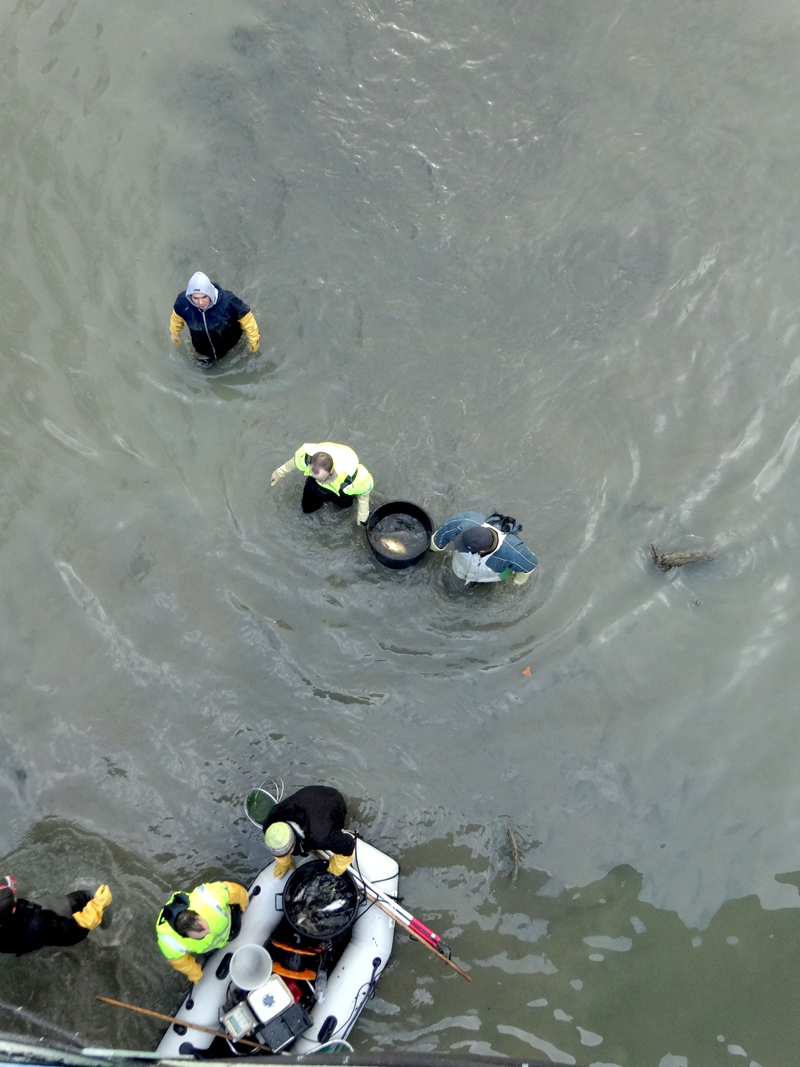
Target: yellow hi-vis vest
(210, 901)
(352, 478)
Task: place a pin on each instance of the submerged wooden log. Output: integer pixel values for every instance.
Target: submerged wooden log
(512, 837)
(665, 561)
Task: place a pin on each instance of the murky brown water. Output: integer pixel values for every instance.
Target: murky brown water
(528, 256)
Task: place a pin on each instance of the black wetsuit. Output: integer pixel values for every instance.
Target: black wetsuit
(31, 926)
(319, 812)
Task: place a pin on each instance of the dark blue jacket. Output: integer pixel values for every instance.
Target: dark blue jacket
(512, 553)
(215, 331)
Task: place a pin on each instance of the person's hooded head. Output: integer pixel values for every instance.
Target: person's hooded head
(201, 292)
(477, 541)
(279, 838)
(8, 895)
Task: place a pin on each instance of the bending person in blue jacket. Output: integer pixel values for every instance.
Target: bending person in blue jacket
(487, 548)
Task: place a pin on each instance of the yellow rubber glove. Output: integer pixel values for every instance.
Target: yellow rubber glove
(250, 327)
(189, 966)
(237, 894)
(282, 471)
(176, 324)
(362, 508)
(92, 915)
(521, 577)
(338, 864)
(282, 865)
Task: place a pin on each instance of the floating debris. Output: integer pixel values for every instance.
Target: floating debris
(512, 837)
(665, 561)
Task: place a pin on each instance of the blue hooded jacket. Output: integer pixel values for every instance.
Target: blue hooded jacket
(510, 555)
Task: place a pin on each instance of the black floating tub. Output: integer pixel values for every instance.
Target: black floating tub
(319, 905)
(399, 533)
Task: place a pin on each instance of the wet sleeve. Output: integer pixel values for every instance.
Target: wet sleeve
(176, 324)
(238, 307)
(282, 865)
(237, 894)
(282, 471)
(446, 533)
(362, 508)
(366, 483)
(299, 458)
(340, 842)
(338, 864)
(48, 928)
(520, 559)
(250, 327)
(189, 966)
(91, 915)
(450, 530)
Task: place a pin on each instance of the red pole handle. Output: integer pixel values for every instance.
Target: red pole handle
(421, 930)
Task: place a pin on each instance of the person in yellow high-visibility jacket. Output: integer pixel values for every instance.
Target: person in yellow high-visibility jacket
(333, 474)
(193, 924)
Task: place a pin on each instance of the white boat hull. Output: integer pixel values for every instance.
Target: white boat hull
(349, 984)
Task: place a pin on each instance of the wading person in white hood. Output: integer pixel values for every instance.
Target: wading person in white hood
(215, 317)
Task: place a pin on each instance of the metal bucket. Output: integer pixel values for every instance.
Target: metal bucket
(389, 547)
(319, 905)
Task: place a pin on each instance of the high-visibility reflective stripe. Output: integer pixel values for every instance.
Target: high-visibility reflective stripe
(352, 478)
(171, 941)
(209, 900)
(209, 906)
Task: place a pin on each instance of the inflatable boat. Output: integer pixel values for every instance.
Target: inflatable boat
(308, 988)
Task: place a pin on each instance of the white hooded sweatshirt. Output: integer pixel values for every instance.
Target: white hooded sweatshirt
(200, 283)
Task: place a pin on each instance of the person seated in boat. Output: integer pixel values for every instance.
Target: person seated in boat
(25, 926)
(487, 548)
(333, 475)
(215, 317)
(311, 818)
(196, 923)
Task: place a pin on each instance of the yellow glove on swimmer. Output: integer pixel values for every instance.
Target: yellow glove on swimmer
(521, 577)
(92, 915)
(282, 865)
(338, 864)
